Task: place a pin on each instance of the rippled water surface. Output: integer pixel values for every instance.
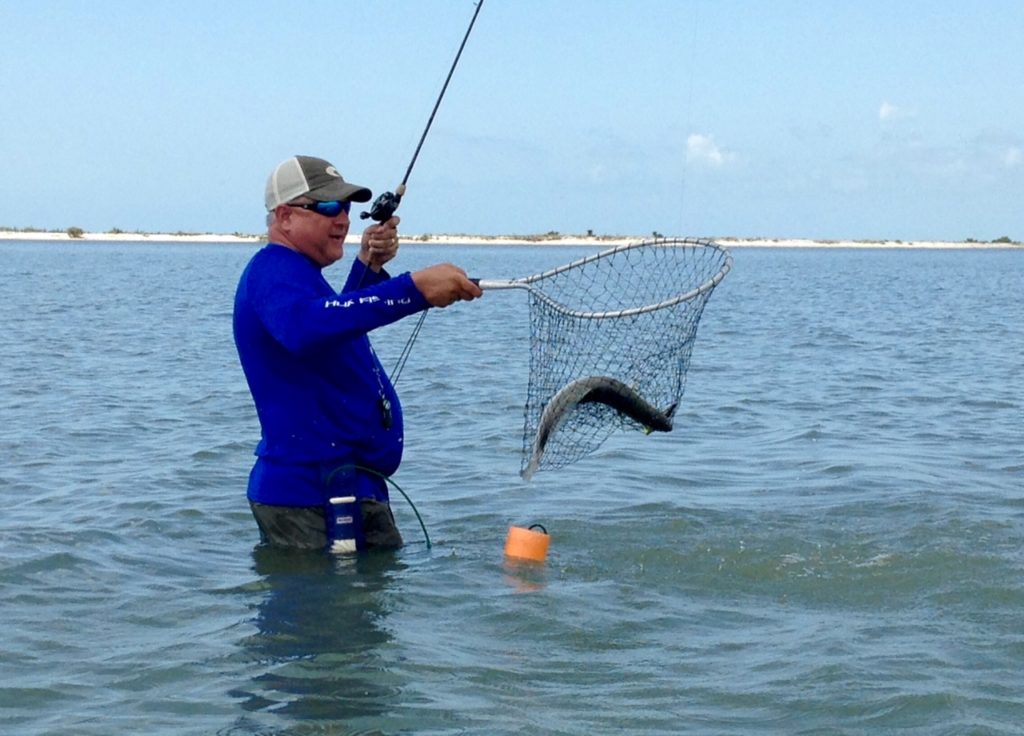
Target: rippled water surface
(829, 542)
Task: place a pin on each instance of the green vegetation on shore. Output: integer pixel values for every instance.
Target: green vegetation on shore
(549, 236)
(76, 232)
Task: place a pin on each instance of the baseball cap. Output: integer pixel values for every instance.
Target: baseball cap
(310, 177)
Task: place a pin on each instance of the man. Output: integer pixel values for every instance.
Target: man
(330, 418)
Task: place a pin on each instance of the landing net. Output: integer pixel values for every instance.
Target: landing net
(629, 313)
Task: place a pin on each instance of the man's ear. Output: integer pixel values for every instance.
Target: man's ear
(282, 213)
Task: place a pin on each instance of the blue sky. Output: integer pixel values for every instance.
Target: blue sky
(864, 119)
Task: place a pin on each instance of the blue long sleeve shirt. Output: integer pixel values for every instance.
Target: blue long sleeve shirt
(316, 382)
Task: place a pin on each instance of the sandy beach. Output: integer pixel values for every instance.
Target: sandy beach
(539, 240)
(130, 237)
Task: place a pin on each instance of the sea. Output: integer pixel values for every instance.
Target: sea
(831, 540)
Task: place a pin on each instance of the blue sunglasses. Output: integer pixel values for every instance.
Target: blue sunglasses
(327, 209)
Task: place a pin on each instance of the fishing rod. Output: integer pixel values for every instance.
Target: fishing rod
(383, 208)
(385, 205)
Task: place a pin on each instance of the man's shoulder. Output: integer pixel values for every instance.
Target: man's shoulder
(277, 252)
(277, 260)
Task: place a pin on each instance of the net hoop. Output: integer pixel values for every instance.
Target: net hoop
(529, 282)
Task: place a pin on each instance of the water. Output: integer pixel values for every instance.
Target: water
(830, 541)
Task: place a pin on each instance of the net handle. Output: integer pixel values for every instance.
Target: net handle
(528, 281)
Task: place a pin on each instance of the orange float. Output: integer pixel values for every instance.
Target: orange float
(527, 544)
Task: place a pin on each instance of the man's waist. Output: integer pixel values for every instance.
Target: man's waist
(383, 456)
(293, 483)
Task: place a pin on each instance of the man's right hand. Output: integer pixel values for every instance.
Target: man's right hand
(445, 284)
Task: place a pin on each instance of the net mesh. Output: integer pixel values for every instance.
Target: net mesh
(629, 313)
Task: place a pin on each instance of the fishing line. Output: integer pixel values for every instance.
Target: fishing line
(683, 198)
(400, 363)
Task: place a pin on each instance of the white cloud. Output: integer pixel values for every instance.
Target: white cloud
(1013, 157)
(888, 111)
(702, 149)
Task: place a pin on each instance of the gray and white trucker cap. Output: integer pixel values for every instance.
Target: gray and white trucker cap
(306, 176)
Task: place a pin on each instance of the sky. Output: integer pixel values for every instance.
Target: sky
(849, 119)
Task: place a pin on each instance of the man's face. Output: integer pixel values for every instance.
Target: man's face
(317, 236)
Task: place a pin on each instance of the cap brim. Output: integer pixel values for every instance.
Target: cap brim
(340, 190)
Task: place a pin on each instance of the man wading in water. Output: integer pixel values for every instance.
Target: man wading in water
(331, 421)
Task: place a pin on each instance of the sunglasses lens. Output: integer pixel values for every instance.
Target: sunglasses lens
(332, 209)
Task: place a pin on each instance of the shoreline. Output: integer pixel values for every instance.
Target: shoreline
(537, 240)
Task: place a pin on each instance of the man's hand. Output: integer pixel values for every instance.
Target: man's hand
(445, 284)
(379, 244)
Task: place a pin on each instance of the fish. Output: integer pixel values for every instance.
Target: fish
(595, 389)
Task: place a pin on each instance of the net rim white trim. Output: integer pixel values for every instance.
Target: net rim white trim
(528, 281)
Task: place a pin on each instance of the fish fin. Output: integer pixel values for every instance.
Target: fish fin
(668, 415)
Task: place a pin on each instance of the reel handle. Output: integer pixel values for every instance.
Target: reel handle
(383, 208)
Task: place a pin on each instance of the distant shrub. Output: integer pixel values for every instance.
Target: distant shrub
(1004, 239)
(75, 232)
(115, 231)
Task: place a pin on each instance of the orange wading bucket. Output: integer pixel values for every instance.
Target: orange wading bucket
(527, 544)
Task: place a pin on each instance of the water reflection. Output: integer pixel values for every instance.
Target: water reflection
(317, 652)
(524, 576)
